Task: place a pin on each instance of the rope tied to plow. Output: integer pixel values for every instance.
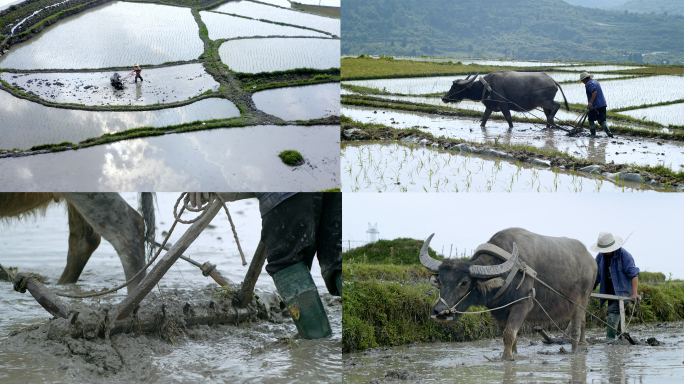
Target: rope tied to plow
(23, 280)
(177, 219)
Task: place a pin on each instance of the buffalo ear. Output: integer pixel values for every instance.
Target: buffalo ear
(487, 285)
(433, 281)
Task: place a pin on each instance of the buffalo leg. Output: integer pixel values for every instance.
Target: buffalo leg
(507, 114)
(516, 318)
(83, 241)
(550, 109)
(485, 116)
(119, 224)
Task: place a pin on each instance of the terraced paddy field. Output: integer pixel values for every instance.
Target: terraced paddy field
(280, 15)
(244, 159)
(222, 26)
(300, 103)
(401, 167)
(115, 34)
(161, 86)
(280, 54)
(25, 124)
(672, 114)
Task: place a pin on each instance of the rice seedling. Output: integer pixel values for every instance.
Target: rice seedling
(222, 26)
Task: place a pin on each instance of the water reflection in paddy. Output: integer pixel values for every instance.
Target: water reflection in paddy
(267, 12)
(621, 150)
(300, 103)
(24, 124)
(161, 85)
(226, 27)
(672, 114)
(244, 159)
(115, 34)
(280, 54)
(400, 167)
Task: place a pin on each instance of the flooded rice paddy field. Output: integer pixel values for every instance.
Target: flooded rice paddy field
(268, 12)
(160, 86)
(326, 3)
(536, 363)
(300, 103)
(26, 124)
(621, 150)
(115, 34)
(631, 92)
(401, 167)
(280, 3)
(442, 84)
(672, 114)
(223, 26)
(280, 54)
(244, 159)
(600, 68)
(246, 353)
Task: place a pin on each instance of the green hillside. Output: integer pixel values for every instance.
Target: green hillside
(596, 3)
(653, 6)
(520, 29)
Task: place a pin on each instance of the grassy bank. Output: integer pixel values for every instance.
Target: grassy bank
(318, 9)
(387, 300)
(364, 67)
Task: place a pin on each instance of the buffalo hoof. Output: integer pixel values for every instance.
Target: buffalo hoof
(507, 357)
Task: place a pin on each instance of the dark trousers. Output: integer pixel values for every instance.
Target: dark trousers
(137, 76)
(597, 114)
(302, 226)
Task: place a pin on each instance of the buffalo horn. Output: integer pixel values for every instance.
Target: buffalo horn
(425, 259)
(488, 271)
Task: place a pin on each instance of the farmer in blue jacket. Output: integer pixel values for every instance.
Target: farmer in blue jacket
(617, 275)
(596, 103)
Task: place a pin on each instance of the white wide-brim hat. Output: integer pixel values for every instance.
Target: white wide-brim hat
(135, 64)
(584, 75)
(607, 243)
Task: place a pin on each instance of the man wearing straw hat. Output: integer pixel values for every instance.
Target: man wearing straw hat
(617, 275)
(137, 70)
(597, 103)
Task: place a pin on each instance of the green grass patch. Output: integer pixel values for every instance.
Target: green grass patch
(332, 190)
(401, 251)
(318, 9)
(291, 157)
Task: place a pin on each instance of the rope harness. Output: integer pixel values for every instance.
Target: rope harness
(177, 219)
(521, 266)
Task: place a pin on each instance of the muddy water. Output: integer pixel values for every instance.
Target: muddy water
(235, 159)
(631, 92)
(400, 167)
(160, 86)
(288, 16)
(24, 124)
(280, 54)
(223, 26)
(621, 150)
(300, 103)
(242, 354)
(428, 85)
(115, 34)
(667, 114)
(536, 362)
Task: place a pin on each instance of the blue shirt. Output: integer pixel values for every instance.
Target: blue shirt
(622, 270)
(268, 200)
(591, 86)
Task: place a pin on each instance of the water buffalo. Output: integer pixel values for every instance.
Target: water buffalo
(509, 91)
(564, 264)
(91, 216)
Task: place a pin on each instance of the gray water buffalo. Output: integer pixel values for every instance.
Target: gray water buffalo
(509, 91)
(562, 263)
(91, 216)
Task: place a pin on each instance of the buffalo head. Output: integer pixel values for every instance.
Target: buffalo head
(458, 89)
(456, 278)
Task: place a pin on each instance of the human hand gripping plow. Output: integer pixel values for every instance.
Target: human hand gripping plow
(214, 203)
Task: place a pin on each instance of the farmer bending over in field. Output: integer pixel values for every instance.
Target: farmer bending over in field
(617, 275)
(597, 103)
(137, 70)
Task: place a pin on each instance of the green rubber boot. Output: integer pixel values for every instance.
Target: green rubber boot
(605, 129)
(300, 295)
(614, 320)
(592, 128)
